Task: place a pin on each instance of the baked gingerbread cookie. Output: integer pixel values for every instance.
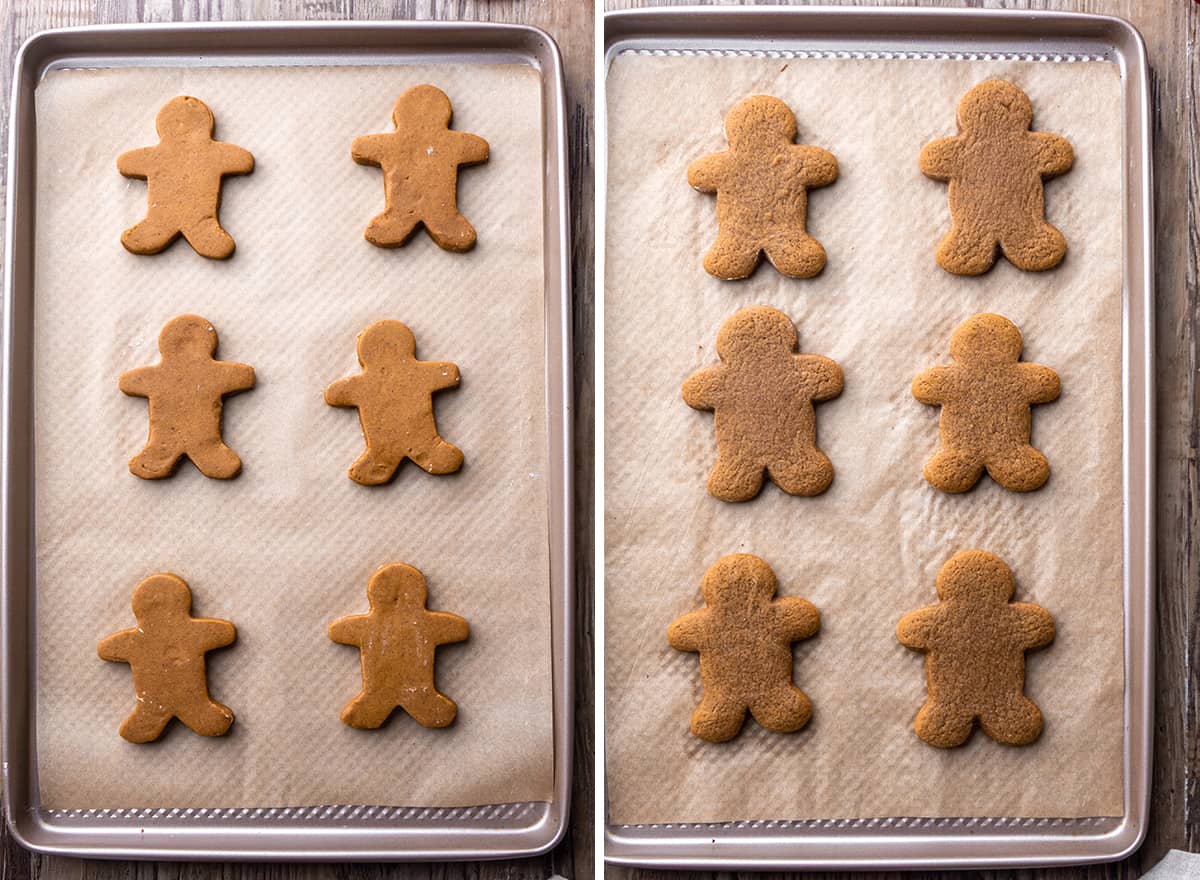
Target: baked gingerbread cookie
(744, 638)
(397, 640)
(394, 398)
(186, 390)
(985, 396)
(974, 641)
(165, 652)
(762, 394)
(183, 175)
(762, 183)
(420, 162)
(996, 167)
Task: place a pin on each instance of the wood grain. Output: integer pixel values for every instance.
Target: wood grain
(1169, 27)
(570, 23)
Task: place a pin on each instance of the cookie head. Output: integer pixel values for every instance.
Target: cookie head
(161, 596)
(182, 118)
(739, 577)
(188, 336)
(751, 329)
(757, 117)
(986, 339)
(386, 342)
(976, 576)
(995, 105)
(425, 103)
(397, 584)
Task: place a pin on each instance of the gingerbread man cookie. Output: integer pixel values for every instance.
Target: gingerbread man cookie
(974, 641)
(762, 394)
(185, 389)
(995, 166)
(762, 184)
(165, 652)
(394, 397)
(420, 163)
(744, 638)
(985, 396)
(397, 640)
(183, 181)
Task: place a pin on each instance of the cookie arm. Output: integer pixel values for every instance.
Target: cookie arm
(1037, 625)
(797, 618)
(1054, 153)
(707, 172)
(234, 160)
(702, 390)
(690, 632)
(136, 163)
(350, 630)
(343, 392)
(939, 159)
(818, 167)
(445, 627)
(822, 376)
(1042, 384)
(474, 149)
(236, 377)
(369, 149)
(212, 633)
(118, 646)
(137, 382)
(931, 386)
(915, 629)
(441, 375)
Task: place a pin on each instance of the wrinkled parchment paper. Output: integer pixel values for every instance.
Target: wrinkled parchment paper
(868, 550)
(290, 544)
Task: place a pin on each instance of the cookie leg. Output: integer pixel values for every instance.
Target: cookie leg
(797, 257)
(731, 258)
(953, 471)
(783, 709)
(144, 724)
(943, 725)
(1022, 470)
(207, 719)
(452, 232)
(371, 469)
(430, 708)
(1016, 722)
(391, 229)
(808, 472)
(439, 457)
(150, 236)
(208, 239)
(717, 720)
(966, 252)
(155, 461)
(367, 711)
(732, 479)
(216, 460)
(1035, 250)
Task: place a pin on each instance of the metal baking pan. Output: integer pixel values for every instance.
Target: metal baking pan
(899, 842)
(352, 832)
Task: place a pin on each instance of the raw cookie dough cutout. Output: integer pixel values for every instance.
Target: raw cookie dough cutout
(762, 394)
(974, 641)
(744, 637)
(185, 389)
(165, 652)
(985, 396)
(420, 162)
(394, 397)
(397, 640)
(995, 166)
(762, 184)
(183, 174)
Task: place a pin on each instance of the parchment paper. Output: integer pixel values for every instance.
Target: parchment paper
(868, 550)
(290, 544)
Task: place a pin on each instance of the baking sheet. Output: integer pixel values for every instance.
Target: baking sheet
(290, 544)
(868, 550)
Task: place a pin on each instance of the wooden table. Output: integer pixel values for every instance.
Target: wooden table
(571, 23)
(1169, 27)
